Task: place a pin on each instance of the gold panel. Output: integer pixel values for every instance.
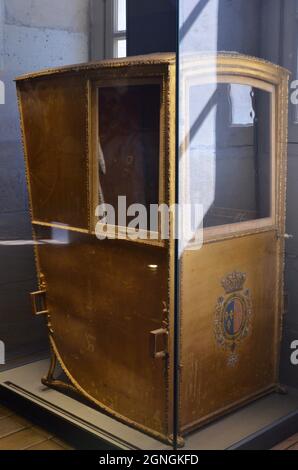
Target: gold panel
(104, 299)
(211, 382)
(54, 115)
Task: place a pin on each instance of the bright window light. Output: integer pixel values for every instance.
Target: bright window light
(120, 15)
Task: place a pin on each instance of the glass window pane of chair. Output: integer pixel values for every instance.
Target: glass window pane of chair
(229, 167)
(129, 137)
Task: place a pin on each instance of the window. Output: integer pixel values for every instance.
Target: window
(229, 169)
(119, 28)
(129, 136)
(108, 29)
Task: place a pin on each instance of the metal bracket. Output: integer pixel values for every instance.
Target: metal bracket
(39, 303)
(155, 335)
(51, 382)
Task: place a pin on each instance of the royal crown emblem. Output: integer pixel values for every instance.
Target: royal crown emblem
(233, 282)
(233, 315)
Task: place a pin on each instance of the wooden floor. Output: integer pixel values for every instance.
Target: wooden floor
(288, 444)
(17, 433)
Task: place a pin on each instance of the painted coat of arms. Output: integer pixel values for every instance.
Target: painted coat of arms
(233, 315)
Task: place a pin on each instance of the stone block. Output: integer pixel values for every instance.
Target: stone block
(31, 49)
(69, 15)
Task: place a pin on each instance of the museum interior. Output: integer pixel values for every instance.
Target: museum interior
(149, 225)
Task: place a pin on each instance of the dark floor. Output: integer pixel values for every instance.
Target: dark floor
(17, 433)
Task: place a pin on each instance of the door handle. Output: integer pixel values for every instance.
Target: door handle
(158, 343)
(39, 303)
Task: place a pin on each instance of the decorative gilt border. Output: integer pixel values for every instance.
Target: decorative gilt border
(25, 152)
(142, 78)
(223, 68)
(141, 60)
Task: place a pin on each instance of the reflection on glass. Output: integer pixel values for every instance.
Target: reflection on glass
(242, 110)
(230, 152)
(129, 125)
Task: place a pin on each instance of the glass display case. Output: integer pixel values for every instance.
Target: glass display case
(98, 134)
(152, 225)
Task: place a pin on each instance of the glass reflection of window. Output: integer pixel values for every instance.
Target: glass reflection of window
(242, 112)
(230, 166)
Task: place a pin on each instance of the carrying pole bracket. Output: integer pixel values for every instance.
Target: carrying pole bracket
(159, 340)
(39, 304)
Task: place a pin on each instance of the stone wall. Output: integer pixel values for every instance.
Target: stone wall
(34, 34)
